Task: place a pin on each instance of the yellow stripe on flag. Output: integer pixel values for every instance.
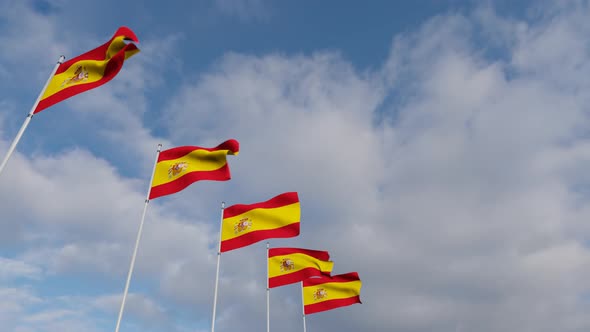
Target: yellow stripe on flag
(86, 71)
(197, 160)
(82, 72)
(260, 219)
(300, 262)
(331, 291)
(117, 45)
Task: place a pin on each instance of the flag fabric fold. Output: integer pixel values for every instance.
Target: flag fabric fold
(89, 70)
(179, 167)
(291, 265)
(326, 293)
(245, 224)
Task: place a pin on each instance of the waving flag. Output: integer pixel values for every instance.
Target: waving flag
(326, 293)
(244, 224)
(178, 167)
(89, 70)
(290, 265)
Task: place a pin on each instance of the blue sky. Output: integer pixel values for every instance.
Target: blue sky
(439, 148)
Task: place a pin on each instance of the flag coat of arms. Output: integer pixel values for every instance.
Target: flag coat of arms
(245, 224)
(179, 167)
(291, 265)
(89, 70)
(326, 293)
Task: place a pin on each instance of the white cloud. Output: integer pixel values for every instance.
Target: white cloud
(28, 33)
(453, 180)
(136, 305)
(14, 304)
(12, 268)
(450, 206)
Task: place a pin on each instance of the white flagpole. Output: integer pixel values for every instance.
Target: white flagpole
(217, 273)
(267, 291)
(29, 116)
(303, 308)
(147, 201)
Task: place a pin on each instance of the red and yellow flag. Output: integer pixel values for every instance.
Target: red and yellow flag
(89, 70)
(178, 167)
(244, 224)
(290, 265)
(326, 293)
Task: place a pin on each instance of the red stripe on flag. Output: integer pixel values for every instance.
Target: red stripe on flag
(330, 304)
(294, 277)
(100, 52)
(319, 254)
(232, 145)
(346, 277)
(277, 201)
(220, 174)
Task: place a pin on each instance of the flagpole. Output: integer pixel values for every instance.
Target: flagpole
(217, 273)
(267, 291)
(147, 201)
(29, 116)
(303, 308)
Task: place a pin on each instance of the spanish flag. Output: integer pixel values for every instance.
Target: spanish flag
(290, 265)
(244, 224)
(89, 70)
(178, 167)
(327, 293)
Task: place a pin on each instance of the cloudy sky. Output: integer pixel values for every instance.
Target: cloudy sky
(439, 148)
